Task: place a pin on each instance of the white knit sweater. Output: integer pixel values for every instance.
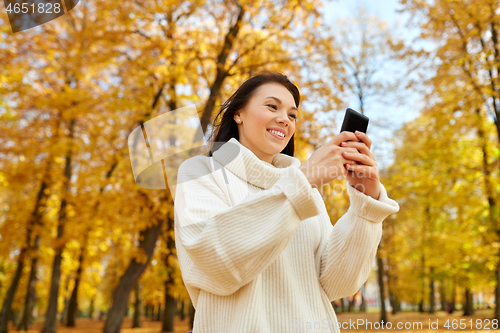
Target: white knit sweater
(256, 247)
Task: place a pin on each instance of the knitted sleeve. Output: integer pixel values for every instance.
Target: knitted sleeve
(222, 247)
(349, 247)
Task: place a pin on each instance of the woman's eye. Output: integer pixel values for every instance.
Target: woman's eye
(276, 108)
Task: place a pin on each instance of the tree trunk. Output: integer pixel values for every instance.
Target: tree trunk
(129, 279)
(170, 302)
(390, 284)
(158, 313)
(469, 306)
(16, 316)
(35, 218)
(421, 304)
(432, 307)
(7, 304)
(192, 312)
(91, 310)
(51, 314)
(11, 316)
(392, 300)
(73, 303)
(453, 297)
(351, 300)
(362, 306)
(137, 307)
(169, 312)
(29, 302)
(183, 310)
(380, 271)
(442, 291)
(221, 73)
(64, 313)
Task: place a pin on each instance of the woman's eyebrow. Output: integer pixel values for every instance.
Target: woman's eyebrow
(279, 101)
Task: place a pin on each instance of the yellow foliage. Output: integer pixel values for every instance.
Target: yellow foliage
(107, 75)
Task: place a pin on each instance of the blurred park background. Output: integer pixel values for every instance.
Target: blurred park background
(84, 249)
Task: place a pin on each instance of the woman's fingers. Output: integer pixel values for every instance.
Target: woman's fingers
(363, 137)
(344, 136)
(360, 146)
(358, 157)
(346, 158)
(367, 171)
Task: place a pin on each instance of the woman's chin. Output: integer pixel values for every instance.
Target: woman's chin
(274, 146)
(274, 150)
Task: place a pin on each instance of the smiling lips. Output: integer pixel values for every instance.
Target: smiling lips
(274, 133)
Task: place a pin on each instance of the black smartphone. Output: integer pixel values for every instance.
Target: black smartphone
(354, 121)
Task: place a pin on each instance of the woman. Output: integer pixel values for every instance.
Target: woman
(256, 247)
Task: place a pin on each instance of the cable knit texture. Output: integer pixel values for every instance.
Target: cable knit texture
(256, 247)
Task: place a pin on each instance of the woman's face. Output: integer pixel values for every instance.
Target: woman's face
(271, 107)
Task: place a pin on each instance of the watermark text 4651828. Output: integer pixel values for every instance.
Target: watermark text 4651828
(26, 14)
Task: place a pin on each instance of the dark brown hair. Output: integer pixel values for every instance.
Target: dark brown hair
(227, 128)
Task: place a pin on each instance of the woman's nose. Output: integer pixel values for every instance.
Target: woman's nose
(283, 119)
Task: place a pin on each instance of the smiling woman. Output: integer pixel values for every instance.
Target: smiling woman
(255, 244)
(262, 105)
(266, 124)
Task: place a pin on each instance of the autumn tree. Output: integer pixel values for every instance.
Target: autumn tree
(437, 166)
(468, 51)
(89, 228)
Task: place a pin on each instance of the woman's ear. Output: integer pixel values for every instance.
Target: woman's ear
(237, 118)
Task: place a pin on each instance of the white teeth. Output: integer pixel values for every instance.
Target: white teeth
(278, 133)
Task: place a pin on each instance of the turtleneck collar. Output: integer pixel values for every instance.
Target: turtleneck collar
(242, 162)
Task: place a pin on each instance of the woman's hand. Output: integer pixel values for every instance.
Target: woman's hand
(328, 161)
(366, 176)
